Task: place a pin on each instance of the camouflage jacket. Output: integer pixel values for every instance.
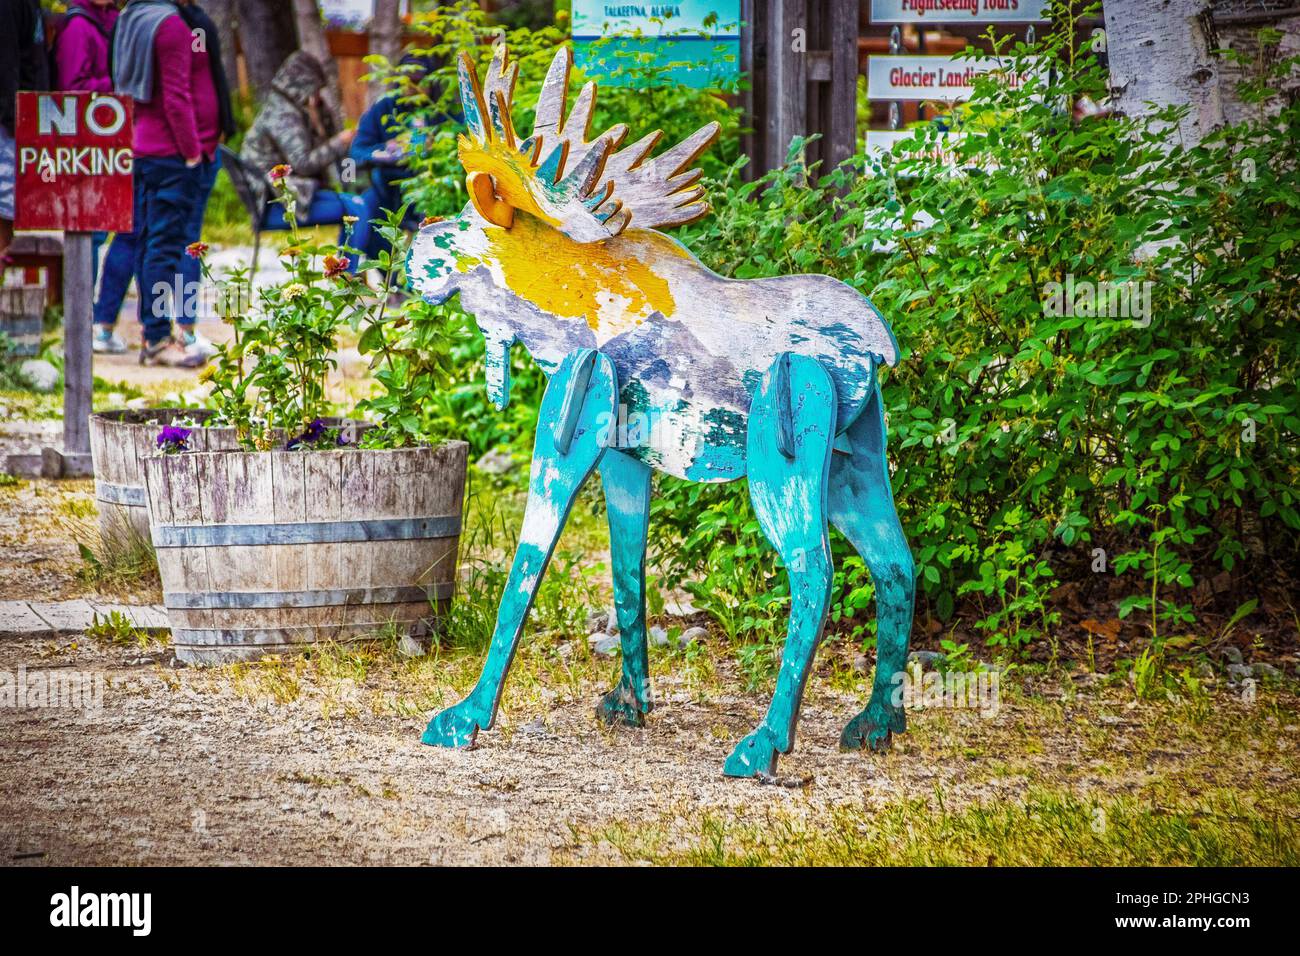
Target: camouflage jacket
(288, 131)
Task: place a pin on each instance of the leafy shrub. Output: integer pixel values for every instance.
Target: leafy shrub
(1167, 441)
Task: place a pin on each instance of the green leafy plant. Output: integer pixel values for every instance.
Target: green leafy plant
(1168, 439)
(270, 381)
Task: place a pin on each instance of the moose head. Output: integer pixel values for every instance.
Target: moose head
(558, 196)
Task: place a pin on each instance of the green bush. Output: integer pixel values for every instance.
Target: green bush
(1169, 441)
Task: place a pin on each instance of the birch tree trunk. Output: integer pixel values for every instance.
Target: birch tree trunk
(1160, 55)
(311, 39)
(385, 37)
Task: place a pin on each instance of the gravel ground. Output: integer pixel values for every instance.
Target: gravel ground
(186, 766)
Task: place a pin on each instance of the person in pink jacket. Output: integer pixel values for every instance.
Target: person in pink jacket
(81, 47)
(177, 128)
(81, 63)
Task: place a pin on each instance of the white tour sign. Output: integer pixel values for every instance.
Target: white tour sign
(928, 77)
(958, 11)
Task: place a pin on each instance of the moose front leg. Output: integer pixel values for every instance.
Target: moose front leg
(791, 428)
(627, 501)
(572, 430)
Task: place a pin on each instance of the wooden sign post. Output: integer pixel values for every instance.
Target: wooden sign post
(74, 174)
(658, 364)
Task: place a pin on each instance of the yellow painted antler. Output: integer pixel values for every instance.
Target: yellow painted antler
(580, 186)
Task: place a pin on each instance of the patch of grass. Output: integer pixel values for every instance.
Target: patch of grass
(125, 562)
(24, 404)
(117, 629)
(276, 679)
(1047, 828)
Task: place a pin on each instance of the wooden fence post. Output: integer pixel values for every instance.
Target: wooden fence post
(802, 59)
(78, 375)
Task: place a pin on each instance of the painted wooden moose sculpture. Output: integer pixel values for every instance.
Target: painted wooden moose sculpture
(770, 379)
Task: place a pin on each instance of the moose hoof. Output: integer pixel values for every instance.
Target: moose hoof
(754, 756)
(872, 730)
(452, 727)
(620, 706)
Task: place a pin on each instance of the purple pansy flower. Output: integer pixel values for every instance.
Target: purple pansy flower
(311, 435)
(173, 438)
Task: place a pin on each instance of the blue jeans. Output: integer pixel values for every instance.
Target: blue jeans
(208, 170)
(119, 263)
(385, 194)
(329, 207)
(165, 194)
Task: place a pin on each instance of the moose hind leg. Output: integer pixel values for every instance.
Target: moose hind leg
(791, 428)
(862, 507)
(572, 423)
(627, 502)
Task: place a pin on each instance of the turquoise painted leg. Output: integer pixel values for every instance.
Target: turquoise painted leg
(862, 507)
(627, 500)
(573, 423)
(791, 428)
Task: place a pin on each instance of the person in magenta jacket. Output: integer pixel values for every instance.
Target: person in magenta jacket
(81, 63)
(81, 47)
(119, 264)
(178, 125)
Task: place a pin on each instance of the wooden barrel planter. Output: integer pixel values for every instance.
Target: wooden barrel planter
(22, 308)
(120, 441)
(269, 552)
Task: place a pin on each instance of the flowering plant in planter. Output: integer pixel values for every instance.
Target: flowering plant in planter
(270, 381)
(173, 439)
(312, 528)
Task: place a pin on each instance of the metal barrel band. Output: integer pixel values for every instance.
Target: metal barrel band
(130, 495)
(247, 600)
(310, 532)
(297, 637)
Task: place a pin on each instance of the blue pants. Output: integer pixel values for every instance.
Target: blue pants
(119, 263)
(329, 207)
(385, 194)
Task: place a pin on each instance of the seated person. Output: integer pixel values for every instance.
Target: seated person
(294, 129)
(378, 146)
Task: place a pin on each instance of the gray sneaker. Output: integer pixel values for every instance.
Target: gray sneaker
(107, 341)
(196, 342)
(169, 352)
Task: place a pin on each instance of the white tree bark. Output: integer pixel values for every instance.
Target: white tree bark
(1160, 55)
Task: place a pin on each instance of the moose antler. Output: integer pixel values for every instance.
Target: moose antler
(578, 185)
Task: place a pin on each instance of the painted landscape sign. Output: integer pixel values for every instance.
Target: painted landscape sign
(958, 11)
(74, 162)
(696, 42)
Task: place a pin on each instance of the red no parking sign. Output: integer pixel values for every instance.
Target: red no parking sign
(74, 162)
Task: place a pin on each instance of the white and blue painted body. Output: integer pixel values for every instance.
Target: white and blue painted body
(687, 378)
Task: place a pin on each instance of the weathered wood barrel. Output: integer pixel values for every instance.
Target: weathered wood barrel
(21, 310)
(120, 441)
(269, 552)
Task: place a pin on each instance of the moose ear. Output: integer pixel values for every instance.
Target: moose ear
(483, 194)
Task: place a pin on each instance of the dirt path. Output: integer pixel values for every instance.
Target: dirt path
(319, 761)
(188, 766)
